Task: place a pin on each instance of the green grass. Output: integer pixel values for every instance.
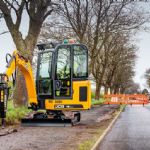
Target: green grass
(122, 107)
(97, 102)
(92, 95)
(14, 115)
(86, 145)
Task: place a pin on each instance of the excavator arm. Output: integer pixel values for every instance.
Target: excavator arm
(19, 62)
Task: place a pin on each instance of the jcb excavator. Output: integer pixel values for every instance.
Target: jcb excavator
(61, 84)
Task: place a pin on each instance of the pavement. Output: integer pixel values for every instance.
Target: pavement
(131, 131)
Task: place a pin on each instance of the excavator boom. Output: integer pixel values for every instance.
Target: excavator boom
(18, 61)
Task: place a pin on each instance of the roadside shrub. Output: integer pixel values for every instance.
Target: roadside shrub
(14, 115)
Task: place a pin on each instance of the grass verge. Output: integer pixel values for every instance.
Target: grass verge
(98, 102)
(14, 115)
(122, 107)
(88, 144)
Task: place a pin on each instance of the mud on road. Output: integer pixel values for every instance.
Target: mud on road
(60, 138)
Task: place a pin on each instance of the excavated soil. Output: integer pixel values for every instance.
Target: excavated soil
(58, 138)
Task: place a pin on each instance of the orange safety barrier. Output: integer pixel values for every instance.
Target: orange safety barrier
(126, 99)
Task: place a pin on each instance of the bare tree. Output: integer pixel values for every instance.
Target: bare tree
(55, 30)
(38, 11)
(132, 88)
(77, 14)
(145, 92)
(122, 53)
(147, 77)
(125, 71)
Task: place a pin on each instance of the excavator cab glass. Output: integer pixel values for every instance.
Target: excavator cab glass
(80, 62)
(63, 72)
(44, 73)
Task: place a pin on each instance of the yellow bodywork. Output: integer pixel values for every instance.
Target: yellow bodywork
(50, 104)
(25, 67)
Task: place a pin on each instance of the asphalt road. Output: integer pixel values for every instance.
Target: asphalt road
(131, 131)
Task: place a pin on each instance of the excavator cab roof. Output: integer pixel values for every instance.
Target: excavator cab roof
(45, 46)
(53, 45)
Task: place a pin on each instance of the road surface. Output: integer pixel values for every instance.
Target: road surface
(131, 131)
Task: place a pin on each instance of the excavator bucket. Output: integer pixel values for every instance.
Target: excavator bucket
(46, 122)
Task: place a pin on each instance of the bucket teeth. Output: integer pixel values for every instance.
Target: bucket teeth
(46, 122)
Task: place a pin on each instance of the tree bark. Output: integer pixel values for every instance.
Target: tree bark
(111, 90)
(20, 94)
(97, 92)
(106, 90)
(116, 90)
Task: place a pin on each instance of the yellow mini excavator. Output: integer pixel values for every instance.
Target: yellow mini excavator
(61, 84)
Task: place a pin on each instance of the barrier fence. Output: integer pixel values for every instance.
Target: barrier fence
(137, 99)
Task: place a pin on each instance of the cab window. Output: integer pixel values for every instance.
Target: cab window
(63, 85)
(63, 63)
(44, 76)
(80, 64)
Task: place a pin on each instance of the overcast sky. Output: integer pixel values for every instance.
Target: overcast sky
(142, 41)
(143, 60)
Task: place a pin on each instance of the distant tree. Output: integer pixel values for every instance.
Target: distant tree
(147, 77)
(145, 91)
(119, 70)
(132, 88)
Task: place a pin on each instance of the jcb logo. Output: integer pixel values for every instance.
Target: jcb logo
(59, 106)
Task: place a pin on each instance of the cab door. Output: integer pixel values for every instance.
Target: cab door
(63, 73)
(44, 75)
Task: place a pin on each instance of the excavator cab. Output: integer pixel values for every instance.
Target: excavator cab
(62, 77)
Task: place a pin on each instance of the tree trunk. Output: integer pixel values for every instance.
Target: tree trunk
(116, 90)
(20, 93)
(122, 90)
(106, 90)
(26, 48)
(97, 92)
(111, 90)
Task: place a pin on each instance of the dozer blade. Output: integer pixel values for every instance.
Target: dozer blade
(46, 122)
